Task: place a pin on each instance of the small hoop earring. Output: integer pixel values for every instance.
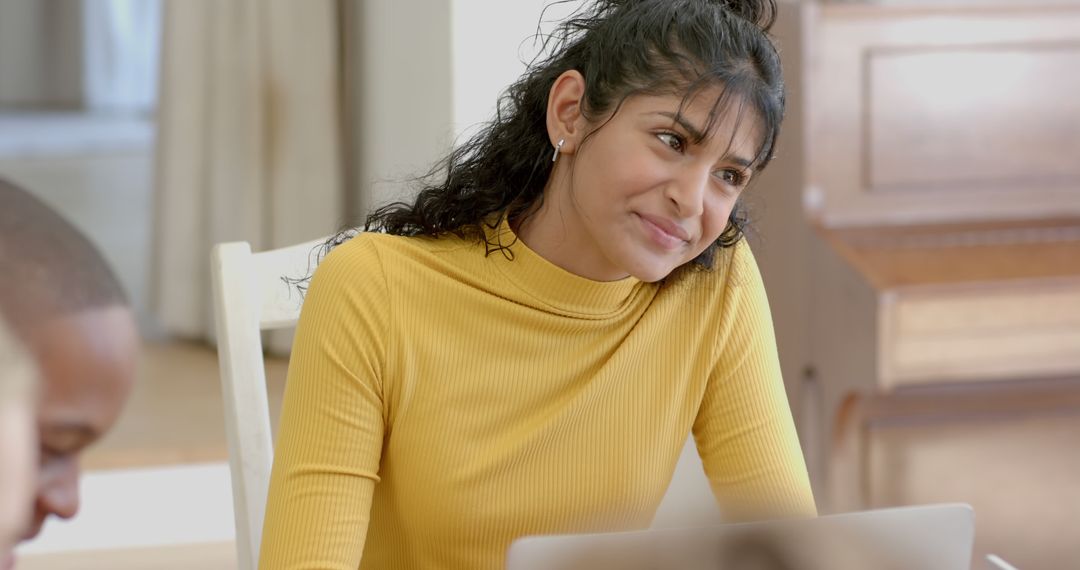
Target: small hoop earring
(558, 147)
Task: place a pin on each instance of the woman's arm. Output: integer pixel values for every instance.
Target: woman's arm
(332, 421)
(744, 429)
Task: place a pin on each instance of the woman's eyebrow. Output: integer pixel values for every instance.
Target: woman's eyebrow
(743, 162)
(697, 135)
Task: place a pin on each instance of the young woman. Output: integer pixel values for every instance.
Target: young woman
(525, 348)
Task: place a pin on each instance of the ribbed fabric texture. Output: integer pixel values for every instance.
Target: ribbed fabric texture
(442, 402)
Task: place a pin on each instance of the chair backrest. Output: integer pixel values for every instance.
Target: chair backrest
(250, 296)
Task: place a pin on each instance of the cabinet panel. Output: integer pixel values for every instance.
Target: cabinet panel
(1018, 470)
(982, 332)
(919, 114)
(973, 118)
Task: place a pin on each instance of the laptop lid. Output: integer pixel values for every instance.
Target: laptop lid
(931, 537)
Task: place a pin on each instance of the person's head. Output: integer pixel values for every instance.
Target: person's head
(18, 441)
(703, 75)
(66, 306)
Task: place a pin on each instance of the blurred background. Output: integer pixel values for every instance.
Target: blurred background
(919, 231)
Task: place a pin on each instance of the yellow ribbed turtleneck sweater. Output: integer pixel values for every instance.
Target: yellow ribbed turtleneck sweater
(442, 402)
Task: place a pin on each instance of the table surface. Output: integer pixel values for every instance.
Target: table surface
(206, 556)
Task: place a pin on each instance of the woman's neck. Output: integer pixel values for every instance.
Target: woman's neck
(556, 232)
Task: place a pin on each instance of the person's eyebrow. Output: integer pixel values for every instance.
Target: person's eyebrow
(745, 163)
(697, 135)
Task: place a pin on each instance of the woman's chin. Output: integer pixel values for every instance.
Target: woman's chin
(651, 275)
(651, 270)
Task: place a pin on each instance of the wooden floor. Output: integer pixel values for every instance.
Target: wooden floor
(175, 414)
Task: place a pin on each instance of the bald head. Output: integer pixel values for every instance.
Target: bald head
(50, 268)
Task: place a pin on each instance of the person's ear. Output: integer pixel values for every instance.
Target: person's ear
(565, 121)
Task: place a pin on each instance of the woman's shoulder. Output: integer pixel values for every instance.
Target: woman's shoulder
(359, 250)
(733, 267)
(742, 267)
(344, 268)
(375, 253)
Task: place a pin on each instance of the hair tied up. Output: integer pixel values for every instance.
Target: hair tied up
(761, 13)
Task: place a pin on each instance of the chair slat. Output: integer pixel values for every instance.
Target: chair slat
(250, 295)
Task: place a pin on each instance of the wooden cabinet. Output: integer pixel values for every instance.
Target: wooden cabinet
(901, 309)
(958, 302)
(1009, 449)
(926, 279)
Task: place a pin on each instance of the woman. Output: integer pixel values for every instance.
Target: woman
(524, 349)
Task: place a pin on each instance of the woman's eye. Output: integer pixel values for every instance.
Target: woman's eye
(732, 177)
(672, 140)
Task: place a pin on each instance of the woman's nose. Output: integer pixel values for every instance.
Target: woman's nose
(687, 193)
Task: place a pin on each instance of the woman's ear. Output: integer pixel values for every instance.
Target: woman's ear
(565, 121)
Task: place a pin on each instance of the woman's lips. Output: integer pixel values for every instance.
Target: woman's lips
(664, 233)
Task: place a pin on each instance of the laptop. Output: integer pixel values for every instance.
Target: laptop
(931, 537)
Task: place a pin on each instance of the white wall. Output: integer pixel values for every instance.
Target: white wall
(426, 74)
(402, 99)
(492, 40)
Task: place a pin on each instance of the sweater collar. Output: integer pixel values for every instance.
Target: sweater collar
(554, 287)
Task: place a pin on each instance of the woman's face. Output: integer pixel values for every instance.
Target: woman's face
(650, 189)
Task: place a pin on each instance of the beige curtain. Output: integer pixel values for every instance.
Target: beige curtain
(41, 54)
(249, 140)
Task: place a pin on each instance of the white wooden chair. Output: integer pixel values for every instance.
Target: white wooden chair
(250, 296)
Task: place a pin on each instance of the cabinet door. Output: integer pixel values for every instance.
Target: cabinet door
(918, 114)
(1010, 454)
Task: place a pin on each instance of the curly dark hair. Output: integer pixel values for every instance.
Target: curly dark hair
(622, 48)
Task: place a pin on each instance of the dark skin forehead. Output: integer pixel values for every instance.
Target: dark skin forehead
(87, 362)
